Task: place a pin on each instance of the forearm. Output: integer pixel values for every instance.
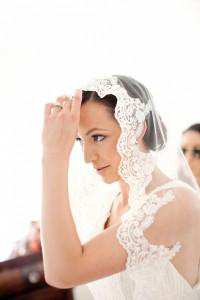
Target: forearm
(61, 245)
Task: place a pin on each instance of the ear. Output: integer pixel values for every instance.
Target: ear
(140, 138)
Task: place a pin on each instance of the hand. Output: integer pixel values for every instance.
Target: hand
(61, 125)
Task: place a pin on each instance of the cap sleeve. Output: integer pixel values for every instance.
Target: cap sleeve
(131, 233)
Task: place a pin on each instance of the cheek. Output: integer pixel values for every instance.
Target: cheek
(115, 157)
(109, 151)
(195, 166)
(112, 150)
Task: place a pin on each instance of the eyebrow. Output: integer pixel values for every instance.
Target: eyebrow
(185, 145)
(95, 128)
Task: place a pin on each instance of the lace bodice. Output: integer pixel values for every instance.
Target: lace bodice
(149, 273)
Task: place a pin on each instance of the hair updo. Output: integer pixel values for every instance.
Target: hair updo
(156, 134)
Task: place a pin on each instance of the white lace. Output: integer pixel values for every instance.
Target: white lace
(131, 233)
(149, 273)
(135, 166)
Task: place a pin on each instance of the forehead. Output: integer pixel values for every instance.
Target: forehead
(93, 114)
(191, 137)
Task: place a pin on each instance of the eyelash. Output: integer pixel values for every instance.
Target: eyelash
(93, 136)
(96, 135)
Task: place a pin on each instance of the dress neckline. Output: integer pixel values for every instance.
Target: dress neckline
(193, 288)
(168, 184)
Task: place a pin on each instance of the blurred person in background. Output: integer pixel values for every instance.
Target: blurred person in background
(190, 144)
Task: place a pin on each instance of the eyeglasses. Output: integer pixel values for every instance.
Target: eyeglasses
(195, 152)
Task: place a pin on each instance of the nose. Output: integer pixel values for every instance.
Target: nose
(89, 154)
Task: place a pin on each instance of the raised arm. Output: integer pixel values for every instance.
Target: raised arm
(61, 246)
(67, 263)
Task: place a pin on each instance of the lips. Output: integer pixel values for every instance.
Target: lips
(98, 169)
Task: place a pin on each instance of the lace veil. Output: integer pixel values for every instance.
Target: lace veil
(90, 197)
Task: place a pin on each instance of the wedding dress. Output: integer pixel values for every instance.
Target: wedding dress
(149, 273)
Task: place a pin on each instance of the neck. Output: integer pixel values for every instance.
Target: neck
(158, 178)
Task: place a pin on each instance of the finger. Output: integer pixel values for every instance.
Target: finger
(66, 106)
(57, 108)
(63, 99)
(76, 102)
(47, 109)
(65, 102)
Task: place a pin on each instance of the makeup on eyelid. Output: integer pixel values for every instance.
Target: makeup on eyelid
(93, 136)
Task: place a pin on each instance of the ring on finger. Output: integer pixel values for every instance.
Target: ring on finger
(58, 106)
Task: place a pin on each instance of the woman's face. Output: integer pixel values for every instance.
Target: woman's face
(191, 142)
(99, 144)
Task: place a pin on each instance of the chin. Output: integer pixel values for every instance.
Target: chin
(110, 179)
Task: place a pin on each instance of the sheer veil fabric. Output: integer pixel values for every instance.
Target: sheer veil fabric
(91, 199)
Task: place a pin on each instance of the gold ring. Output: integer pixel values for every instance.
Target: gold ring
(59, 106)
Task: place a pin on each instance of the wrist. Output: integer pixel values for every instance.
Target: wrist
(55, 156)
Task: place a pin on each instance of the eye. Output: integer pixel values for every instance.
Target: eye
(95, 136)
(196, 153)
(184, 150)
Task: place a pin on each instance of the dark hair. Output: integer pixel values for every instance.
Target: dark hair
(194, 127)
(155, 137)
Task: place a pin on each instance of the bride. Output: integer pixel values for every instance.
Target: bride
(146, 245)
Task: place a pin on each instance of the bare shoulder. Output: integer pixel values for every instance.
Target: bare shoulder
(177, 218)
(188, 203)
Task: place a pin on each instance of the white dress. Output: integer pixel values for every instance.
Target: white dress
(149, 273)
